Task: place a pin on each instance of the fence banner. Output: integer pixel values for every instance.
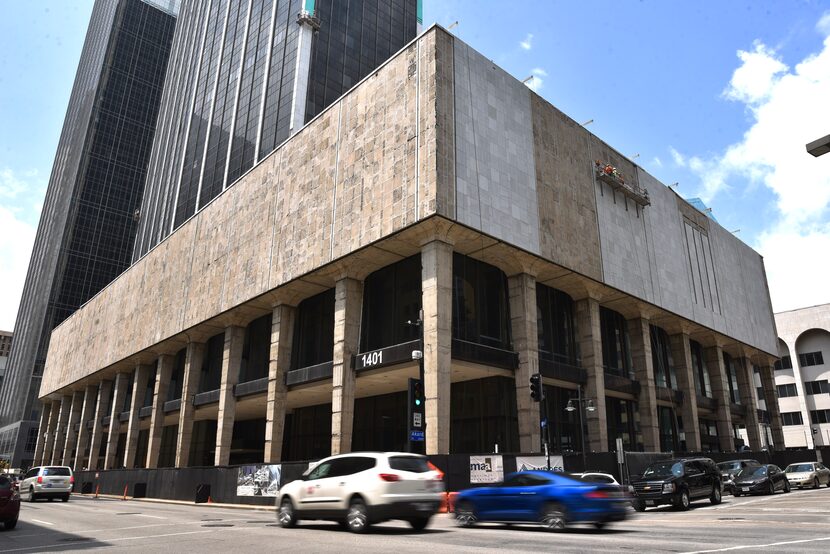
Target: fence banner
(486, 469)
(260, 480)
(524, 463)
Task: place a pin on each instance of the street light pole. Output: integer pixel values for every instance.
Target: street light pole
(588, 405)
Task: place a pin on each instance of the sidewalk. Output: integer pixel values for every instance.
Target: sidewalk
(211, 504)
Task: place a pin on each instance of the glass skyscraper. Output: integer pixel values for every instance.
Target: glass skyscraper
(244, 75)
(87, 228)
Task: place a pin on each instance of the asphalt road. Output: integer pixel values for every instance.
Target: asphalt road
(794, 522)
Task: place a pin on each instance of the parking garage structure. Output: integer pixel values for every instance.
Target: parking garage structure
(275, 324)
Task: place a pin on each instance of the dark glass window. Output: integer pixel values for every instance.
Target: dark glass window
(732, 379)
(483, 416)
(621, 419)
(791, 418)
(709, 435)
(817, 387)
(564, 425)
(307, 433)
(664, 371)
(616, 349)
(555, 324)
(480, 306)
(820, 416)
(784, 363)
(703, 386)
(174, 390)
(391, 297)
(380, 423)
(256, 353)
(788, 390)
(668, 429)
(211, 378)
(413, 464)
(314, 331)
(810, 358)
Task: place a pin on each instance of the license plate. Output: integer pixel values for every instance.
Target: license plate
(47, 485)
(745, 489)
(423, 506)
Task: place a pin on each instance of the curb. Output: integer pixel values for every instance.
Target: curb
(250, 507)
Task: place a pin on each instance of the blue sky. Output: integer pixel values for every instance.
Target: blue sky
(718, 96)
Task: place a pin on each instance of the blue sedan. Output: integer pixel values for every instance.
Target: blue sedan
(551, 499)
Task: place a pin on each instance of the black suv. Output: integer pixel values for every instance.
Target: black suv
(677, 482)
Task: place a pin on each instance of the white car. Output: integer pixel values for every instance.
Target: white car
(359, 489)
(807, 474)
(47, 482)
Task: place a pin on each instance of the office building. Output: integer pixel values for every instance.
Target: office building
(275, 323)
(802, 375)
(244, 76)
(87, 227)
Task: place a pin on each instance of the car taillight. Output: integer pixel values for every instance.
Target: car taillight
(596, 494)
(390, 477)
(39, 480)
(71, 479)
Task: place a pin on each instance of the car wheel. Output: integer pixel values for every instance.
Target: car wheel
(65, 498)
(682, 502)
(358, 516)
(31, 494)
(786, 486)
(50, 499)
(553, 517)
(287, 516)
(599, 525)
(771, 488)
(419, 523)
(736, 494)
(9, 525)
(465, 515)
(715, 497)
(815, 482)
(639, 506)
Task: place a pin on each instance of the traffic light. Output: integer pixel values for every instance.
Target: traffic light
(537, 392)
(416, 395)
(815, 431)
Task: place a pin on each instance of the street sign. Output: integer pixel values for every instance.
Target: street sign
(417, 419)
(416, 436)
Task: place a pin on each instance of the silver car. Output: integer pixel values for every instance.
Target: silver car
(47, 482)
(808, 474)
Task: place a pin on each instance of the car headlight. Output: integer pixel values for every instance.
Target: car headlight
(668, 487)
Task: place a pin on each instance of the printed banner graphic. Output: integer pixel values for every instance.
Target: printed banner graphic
(524, 463)
(486, 469)
(258, 480)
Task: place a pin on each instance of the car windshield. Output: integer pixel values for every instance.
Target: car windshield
(753, 472)
(799, 468)
(5, 484)
(664, 469)
(56, 471)
(729, 466)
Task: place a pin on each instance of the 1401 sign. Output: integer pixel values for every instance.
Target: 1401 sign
(370, 359)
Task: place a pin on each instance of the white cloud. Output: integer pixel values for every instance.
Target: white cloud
(16, 240)
(678, 158)
(787, 109)
(536, 81)
(657, 162)
(527, 43)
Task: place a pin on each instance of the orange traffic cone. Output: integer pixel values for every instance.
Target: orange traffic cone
(125, 493)
(210, 500)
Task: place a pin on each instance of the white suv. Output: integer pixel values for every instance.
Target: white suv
(47, 482)
(359, 489)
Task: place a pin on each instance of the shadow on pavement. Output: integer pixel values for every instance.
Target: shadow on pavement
(373, 530)
(35, 537)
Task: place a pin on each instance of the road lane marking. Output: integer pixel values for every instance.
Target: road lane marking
(770, 545)
(43, 522)
(148, 515)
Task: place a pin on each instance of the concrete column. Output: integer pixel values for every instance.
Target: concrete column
(60, 430)
(746, 390)
(190, 384)
(523, 324)
(121, 381)
(102, 408)
(589, 335)
(231, 363)
(348, 300)
(49, 437)
(436, 291)
(87, 413)
(681, 354)
(282, 335)
(164, 372)
(141, 378)
(713, 357)
(45, 410)
(71, 434)
(639, 334)
(771, 398)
